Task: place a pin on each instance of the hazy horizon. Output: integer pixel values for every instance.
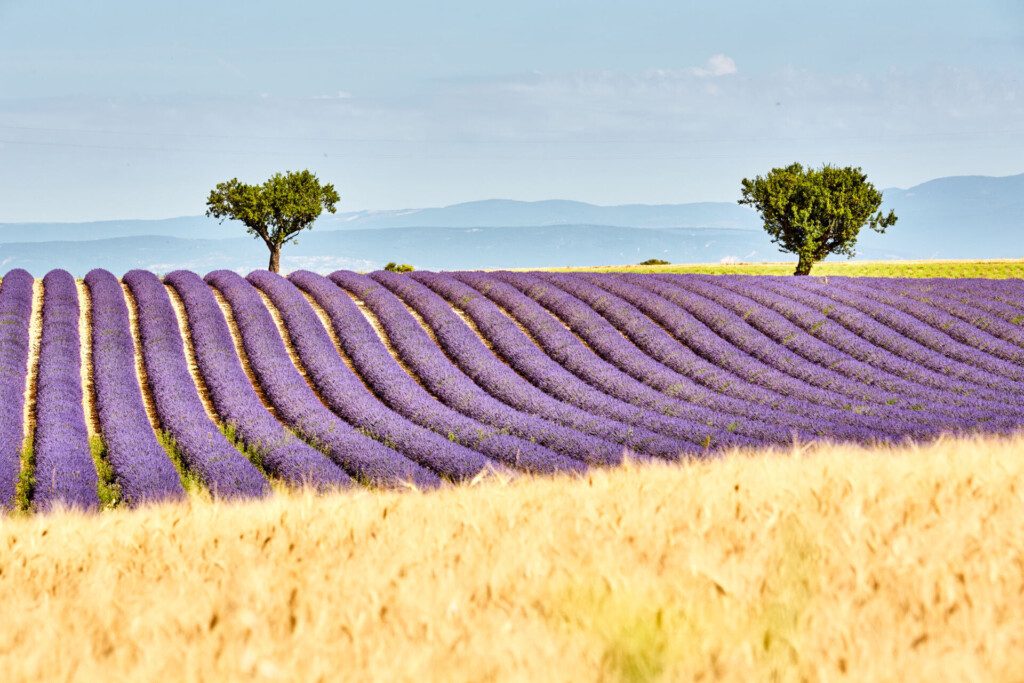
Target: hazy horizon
(482, 200)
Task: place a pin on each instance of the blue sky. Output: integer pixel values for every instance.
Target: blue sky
(134, 110)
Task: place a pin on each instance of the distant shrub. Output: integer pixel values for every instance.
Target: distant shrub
(655, 262)
(393, 267)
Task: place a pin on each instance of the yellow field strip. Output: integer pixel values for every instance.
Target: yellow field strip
(979, 268)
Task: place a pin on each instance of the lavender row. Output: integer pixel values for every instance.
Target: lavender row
(886, 348)
(991, 317)
(964, 362)
(755, 350)
(714, 373)
(802, 355)
(495, 376)
(65, 473)
(933, 416)
(15, 318)
(991, 314)
(405, 395)
(1007, 292)
(882, 367)
(446, 381)
(974, 345)
(680, 400)
(281, 453)
(348, 397)
(596, 390)
(180, 409)
(727, 340)
(623, 305)
(607, 341)
(297, 404)
(142, 467)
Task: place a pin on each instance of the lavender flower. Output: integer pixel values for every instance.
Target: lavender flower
(15, 316)
(65, 473)
(362, 456)
(225, 471)
(142, 467)
(403, 393)
(281, 453)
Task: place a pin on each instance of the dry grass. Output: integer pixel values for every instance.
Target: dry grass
(89, 407)
(838, 565)
(141, 375)
(954, 268)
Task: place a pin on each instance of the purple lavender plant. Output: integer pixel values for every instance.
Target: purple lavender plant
(454, 388)
(15, 316)
(494, 375)
(142, 468)
(345, 393)
(364, 457)
(280, 451)
(65, 473)
(404, 394)
(205, 450)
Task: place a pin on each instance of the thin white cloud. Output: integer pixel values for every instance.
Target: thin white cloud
(717, 65)
(340, 95)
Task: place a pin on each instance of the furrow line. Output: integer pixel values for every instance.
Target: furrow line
(503, 380)
(461, 391)
(204, 448)
(289, 344)
(369, 460)
(345, 392)
(255, 430)
(190, 356)
(382, 334)
(27, 475)
(132, 466)
(325, 322)
(406, 396)
(35, 336)
(243, 357)
(140, 366)
(92, 418)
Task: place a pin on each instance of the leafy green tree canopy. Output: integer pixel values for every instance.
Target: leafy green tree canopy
(393, 267)
(815, 212)
(276, 211)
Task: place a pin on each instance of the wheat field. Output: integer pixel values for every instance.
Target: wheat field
(823, 563)
(944, 268)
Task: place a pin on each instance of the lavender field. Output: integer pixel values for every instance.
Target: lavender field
(140, 389)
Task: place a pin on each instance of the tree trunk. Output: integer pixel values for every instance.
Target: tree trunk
(275, 259)
(803, 266)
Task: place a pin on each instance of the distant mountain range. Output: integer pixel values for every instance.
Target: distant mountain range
(955, 217)
(496, 213)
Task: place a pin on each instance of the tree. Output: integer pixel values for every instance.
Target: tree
(393, 267)
(276, 211)
(816, 212)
